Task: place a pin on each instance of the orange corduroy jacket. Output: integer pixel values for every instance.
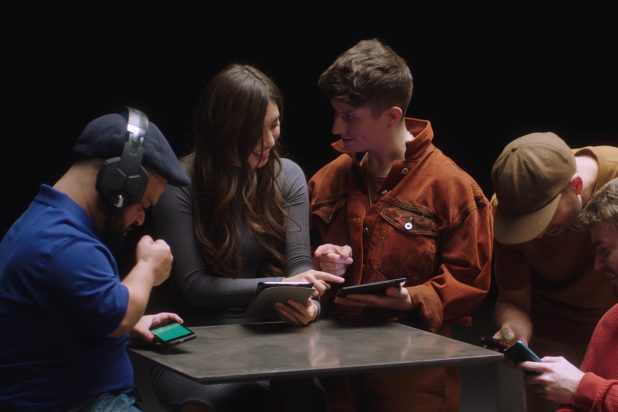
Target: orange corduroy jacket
(431, 223)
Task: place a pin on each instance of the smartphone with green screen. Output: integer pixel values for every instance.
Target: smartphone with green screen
(172, 333)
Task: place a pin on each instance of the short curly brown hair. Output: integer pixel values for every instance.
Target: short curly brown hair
(603, 207)
(369, 72)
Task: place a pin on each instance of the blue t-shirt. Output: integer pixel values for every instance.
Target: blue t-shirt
(60, 299)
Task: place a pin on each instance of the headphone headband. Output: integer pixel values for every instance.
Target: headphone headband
(137, 125)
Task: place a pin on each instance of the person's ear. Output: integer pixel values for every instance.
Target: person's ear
(577, 183)
(393, 114)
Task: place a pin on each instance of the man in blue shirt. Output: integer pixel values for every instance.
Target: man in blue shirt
(65, 315)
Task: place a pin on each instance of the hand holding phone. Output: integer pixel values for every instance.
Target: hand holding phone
(374, 287)
(494, 344)
(520, 352)
(517, 352)
(172, 333)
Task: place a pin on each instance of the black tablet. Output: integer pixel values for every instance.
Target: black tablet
(374, 287)
(269, 293)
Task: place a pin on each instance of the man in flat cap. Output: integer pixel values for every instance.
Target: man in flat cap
(544, 263)
(65, 315)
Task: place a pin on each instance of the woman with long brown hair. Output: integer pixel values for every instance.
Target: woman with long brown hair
(244, 220)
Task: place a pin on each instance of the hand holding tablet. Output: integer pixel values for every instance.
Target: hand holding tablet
(371, 288)
(269, 293)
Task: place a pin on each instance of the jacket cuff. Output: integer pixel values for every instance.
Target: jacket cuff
(429, 306)
(584, 394)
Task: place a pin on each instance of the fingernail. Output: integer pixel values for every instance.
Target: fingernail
(507, 334)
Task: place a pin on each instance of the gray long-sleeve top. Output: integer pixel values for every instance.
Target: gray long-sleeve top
(222, 299)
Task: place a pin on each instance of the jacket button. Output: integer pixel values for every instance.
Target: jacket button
(405, 171)
(366, 230)
(408, 226)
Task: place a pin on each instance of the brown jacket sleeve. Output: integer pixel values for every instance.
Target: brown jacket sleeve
(463, 277)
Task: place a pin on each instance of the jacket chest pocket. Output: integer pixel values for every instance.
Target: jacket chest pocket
(406, 240)
(326, 211)
(327, 222)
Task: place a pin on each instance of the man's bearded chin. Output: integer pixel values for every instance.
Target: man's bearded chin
(113, 231)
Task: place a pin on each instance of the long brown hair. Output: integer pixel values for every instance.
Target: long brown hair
(230, 122)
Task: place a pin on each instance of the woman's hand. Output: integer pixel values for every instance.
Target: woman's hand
(319, 279)
(295, 313)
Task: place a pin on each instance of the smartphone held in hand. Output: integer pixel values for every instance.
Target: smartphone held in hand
(172, 333)
(517, 352)
(520, 352)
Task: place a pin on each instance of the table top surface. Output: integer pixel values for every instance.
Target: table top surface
(278, 351)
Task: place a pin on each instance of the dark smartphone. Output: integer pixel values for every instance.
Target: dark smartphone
(520, 352)
(172, 333)
(375, 287)
(495, 344)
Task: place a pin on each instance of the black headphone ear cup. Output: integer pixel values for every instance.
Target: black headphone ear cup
(118, 188)
(122, 181)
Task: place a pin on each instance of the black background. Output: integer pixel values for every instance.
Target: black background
(482, 76)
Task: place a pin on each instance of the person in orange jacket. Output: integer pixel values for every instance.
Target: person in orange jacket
(393, 205)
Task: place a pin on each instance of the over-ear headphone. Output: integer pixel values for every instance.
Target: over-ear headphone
(121, 182)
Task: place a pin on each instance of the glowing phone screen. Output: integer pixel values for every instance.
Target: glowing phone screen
(171, 332)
